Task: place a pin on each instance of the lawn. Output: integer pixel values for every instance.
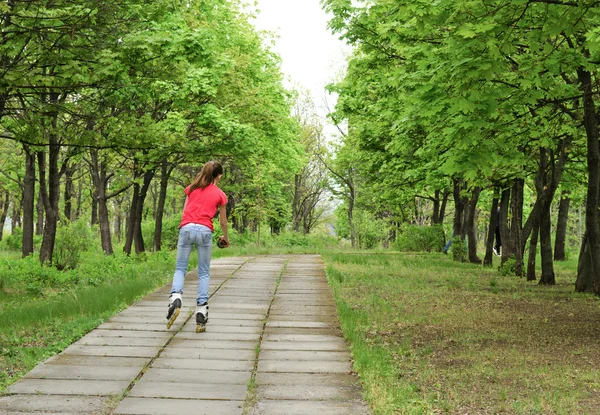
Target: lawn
(43, 310)
(432, 336)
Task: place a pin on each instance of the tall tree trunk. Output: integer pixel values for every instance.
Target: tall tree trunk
(79, 200)
(39, 210)
(561, 227)
(489, 243)
(100, 182)
(459, 209)
(134, 229)
(589, 258)
(547, 277)
(28, 203)
(516, 223)
(165, 170)
(445, 197)
(471, 225)
(131, 219)
(94, 219)
(435, 216)
(531, 258)
(504, 229)
(4, 214)
(68, 196)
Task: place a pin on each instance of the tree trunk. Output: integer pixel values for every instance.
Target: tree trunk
(504, 229)
(459, 209)
(516, 223)
(561, 227)
(28, 203)
(471, 226)
(443, 206)
(94, 219)
(166, 170)
(489, 243)
(351, 199)
(39, 210)
(589, 258)
(435, 216)
(131, 219)
(4, 214)
(531, 258)
(547, 277)
(68, 197)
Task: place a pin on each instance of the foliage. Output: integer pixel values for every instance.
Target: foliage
(414, 238)
(72, 240)
(508, 268)
(459, 249)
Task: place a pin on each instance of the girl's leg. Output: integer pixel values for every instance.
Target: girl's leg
(204, 247)
(184, 248)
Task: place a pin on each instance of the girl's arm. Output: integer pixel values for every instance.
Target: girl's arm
(223, 221)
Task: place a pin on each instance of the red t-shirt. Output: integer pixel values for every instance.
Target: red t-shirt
(202, 205)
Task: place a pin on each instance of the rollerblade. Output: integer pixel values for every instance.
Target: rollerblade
(174, 309)
(201, 317)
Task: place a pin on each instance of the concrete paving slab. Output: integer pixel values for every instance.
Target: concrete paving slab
(52, 403)
(141, 406)
(182, 352)
(198, 377)
(66, 359)
(129, 333)
(306, 392)
(302, 366)
(69, 387)
(315, 407)
(146, 389)
(120, 351)
(74, 372)
(213, 344)
(304, 331)
(334, 346)
(217, 328)
(304, 355)
(291, 379)
(301, 324)
(153, 326)
(211, 335)
(204, 364)
(121, 341)
(276, 336)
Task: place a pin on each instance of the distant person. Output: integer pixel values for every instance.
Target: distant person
(203, 198)
(498, 244)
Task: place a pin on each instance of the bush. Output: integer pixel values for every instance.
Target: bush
(414, 238)
(14, 241)
(71, 240)
(459, 249)
(509, 267)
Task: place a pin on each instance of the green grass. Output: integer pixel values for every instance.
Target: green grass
(432, 336)
(37, 325)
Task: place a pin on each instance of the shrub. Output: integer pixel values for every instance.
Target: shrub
(414, 238)
(14, 241)
(459, 249)
(509, 267)
(71, 240)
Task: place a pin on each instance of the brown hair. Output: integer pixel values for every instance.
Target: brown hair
(207, 175)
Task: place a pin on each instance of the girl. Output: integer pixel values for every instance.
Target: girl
(196, 227)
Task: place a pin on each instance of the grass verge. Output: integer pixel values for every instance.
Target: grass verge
(432, 336)
(35, 327)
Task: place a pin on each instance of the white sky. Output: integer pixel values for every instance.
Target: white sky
(311, 56)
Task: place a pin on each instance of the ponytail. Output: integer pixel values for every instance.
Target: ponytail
(207, 175)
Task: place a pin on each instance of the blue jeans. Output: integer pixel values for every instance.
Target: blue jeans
(189, 235)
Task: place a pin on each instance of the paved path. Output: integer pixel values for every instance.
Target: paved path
(272, 347)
